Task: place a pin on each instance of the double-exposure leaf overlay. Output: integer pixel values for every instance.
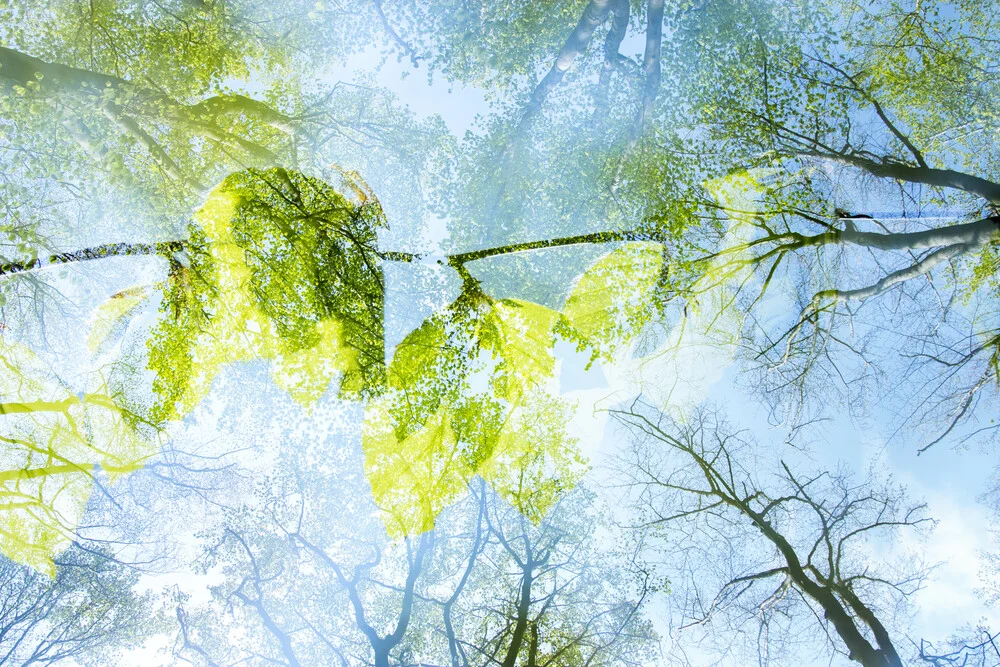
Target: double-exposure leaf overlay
(280, 267)
(471, 392)
(55, 445)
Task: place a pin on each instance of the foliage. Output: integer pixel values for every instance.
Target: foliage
(280, 267)
(87, 612)
(57, 446)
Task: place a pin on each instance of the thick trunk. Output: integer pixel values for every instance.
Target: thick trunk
(533, 646)
(975, 233)
(942, 178)
(22, 69)
(232, 104)
(84, 89)
(866, 614)
(593, 16)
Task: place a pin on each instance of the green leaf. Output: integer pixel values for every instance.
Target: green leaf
(54, 444)
(614, 298)
(413, 478)
(283, 268)
(468, 396)
(112, 315)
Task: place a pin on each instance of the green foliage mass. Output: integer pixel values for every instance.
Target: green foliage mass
(281, 267)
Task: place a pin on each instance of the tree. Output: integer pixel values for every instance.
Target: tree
(558, 610)
(242, 242)
(86, 612)
(315, 584)
(775, 549)
(281, 267)
(133, 113)
(802, 100)
(674, 203)
(105, 126)
(813, 100)
(976, 649)
(170, 123)
(58, 445)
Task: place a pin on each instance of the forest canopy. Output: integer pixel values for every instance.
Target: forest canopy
(597, 332)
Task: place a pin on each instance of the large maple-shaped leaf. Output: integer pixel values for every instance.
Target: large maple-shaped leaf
(614, 298)
(279, 267)
(55, 444)
(467, 395)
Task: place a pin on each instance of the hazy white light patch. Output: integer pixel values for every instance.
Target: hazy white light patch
(693, 348)
(953, 597)
(460, 106)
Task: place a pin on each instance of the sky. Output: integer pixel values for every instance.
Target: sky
(950, 481)
(699, 371)
(681, 368)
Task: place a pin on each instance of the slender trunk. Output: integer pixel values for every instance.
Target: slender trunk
(894, 278)
(651, 85)
(612, 45)
(533, 645)
(651, 62)
(523, 607)
(170, 249)
(859, 649)
(595, 13)
(408, 50)
(593, 16)
(453, 648)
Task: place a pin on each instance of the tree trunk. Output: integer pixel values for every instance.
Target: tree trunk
(523, 606)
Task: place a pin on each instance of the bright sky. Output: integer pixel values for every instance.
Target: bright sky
(949, 481)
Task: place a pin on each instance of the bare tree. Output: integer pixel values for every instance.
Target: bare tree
(779, 557)
(867, 220)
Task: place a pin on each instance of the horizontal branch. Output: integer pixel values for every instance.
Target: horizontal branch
(165, 248)
(942, 178)
(886, 282)
(581, 239)
(973, 234)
